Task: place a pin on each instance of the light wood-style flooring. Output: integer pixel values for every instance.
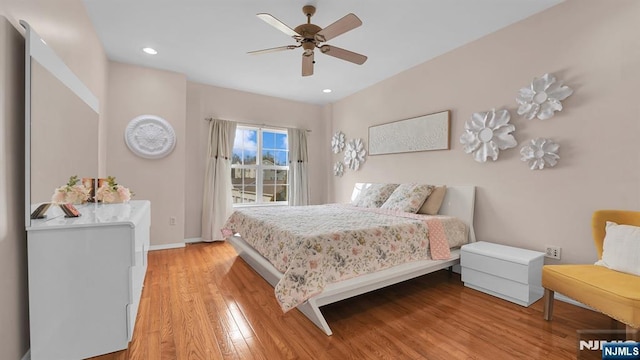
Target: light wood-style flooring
(204, 302)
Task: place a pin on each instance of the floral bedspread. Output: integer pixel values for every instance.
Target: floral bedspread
(317, 245)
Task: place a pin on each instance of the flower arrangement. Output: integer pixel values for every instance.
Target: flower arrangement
(110, 191)
(73, 192)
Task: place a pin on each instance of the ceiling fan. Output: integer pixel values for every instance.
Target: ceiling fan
(309, 36)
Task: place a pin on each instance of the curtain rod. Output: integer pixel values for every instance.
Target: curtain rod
(261, 125)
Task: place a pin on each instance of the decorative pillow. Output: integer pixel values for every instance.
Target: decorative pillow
(433, 203)
(375, 195)
(408, 197)
(621, 248)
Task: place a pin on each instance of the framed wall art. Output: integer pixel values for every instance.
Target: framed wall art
(422, 133)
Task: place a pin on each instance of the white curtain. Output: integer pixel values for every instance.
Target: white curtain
(217, 203)
(298, 167)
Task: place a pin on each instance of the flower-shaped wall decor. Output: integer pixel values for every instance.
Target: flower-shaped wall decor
(486, 133)
(337, 142)
(338, 169)
(354, 154)
(540, 153)
(542, 98)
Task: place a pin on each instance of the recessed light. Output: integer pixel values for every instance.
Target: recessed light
(150, 51)
(326, 91)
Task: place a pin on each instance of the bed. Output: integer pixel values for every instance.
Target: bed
(458, 203)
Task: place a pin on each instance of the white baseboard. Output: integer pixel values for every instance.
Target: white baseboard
(166, 246)
(27, 355)
(193, 240)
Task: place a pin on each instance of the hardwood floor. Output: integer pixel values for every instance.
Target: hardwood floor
(204, 302)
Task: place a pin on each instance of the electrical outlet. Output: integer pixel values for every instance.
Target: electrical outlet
(172, 220)
(553, 252)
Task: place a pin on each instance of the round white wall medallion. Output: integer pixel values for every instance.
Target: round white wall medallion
(150, 137)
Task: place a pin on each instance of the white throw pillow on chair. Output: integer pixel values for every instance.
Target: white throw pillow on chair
(621, 248)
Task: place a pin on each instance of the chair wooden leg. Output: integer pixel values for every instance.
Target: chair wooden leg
(548, 304)
(633, 333)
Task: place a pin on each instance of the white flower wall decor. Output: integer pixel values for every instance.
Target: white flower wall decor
(542, 98)
(540, 153)
(337, 142)
(486, 133)
(354, 154)
(338, 169)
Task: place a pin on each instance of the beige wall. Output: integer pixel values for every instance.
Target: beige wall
(591, 45)
(175, 184)
(66, 28)
(205, 101)
(135, 91)
(58, 115)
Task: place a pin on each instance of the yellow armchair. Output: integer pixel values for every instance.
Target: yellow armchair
(610, 292)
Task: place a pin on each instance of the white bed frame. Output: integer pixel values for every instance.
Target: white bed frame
(459, 202)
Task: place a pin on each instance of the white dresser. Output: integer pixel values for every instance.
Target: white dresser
(85, 279)
(507, 272)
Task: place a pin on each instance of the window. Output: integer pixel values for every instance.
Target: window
(260, 166)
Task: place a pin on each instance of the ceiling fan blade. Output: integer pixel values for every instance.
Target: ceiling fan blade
(307, 64)
(346, 23)
(343, 54)
(280, 48)
(269, 19)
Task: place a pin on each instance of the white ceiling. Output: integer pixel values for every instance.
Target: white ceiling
(208, 40)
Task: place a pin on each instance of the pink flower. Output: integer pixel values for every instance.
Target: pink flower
(70, 194)
(123, 193)
(77, 194)
(59, 196)
(110, 191)
(105, 194)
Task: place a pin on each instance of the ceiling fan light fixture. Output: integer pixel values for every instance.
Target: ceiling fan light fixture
(326, 91)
